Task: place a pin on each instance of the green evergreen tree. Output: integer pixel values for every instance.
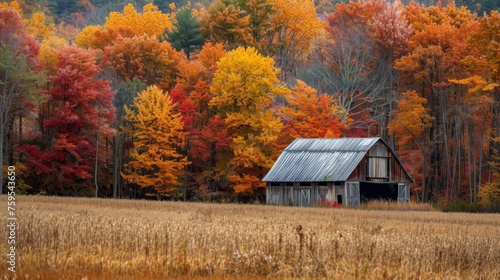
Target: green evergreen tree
(64, 8)
(186, 34)
(164, 5)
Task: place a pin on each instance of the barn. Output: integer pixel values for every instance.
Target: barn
(347, 171)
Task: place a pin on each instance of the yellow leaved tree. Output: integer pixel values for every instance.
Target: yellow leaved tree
(48, 52)
(294, 26)
(86, 37)
(244, 88)
(14, 5)
(151, 22)
(490, 193)
(157, 137)
(38, 27)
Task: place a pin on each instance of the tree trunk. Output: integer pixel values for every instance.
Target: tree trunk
(446, 149)
(96, 160)
(1, 156)
(117, 163)
(20, 141)
(469, 160)
(425, 196)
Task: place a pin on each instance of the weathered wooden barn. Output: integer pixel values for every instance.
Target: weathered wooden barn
(343, 170)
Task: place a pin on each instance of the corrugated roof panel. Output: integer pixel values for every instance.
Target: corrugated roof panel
(316, 160)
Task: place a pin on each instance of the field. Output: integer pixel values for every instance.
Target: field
(78, 238)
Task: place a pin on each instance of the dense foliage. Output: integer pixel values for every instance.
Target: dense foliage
(196, 101)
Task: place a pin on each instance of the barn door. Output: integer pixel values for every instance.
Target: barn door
(403, 193)
(305, 197)
(352, 194)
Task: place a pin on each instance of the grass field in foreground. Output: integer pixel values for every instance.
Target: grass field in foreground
(81, 238)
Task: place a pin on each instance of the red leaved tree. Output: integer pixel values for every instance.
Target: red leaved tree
(207, 133)
(19, 77)
(78, 110)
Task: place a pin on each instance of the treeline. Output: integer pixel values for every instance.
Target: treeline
(197, 101)
(95, 11)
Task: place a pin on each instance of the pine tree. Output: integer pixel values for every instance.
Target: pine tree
(186, 34)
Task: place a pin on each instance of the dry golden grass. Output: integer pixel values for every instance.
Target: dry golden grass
(77, 238)
(390, 205)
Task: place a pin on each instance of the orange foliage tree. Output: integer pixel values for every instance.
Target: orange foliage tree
(411, 125)
(436, 59)
(157, 138)
(485, 81)
(145, 58)
(226, 23)
(308, 114)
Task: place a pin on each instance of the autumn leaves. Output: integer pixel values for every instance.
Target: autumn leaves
(220, 90)
(157, 134)
(243, 107)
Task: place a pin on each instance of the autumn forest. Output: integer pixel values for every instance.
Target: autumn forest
(195, 101)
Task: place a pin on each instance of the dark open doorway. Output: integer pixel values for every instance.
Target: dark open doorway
(378, 191)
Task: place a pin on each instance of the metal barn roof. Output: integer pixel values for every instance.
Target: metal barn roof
(316, 160)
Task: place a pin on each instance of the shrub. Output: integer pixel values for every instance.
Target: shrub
(461, 206)
(328, 204)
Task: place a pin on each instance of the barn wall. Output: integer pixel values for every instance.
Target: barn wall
(397, 172)
(378, 163)
(379, 154)
(339, 191)
(331, 192)
(310, 194)
(359, 173)
(299, 193)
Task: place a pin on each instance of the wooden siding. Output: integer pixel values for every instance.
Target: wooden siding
(398, 174)
(377, 163)
(359, 173)
(299, 193)
(379, 154)
(310, 194)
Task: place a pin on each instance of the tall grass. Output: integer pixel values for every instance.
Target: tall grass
(76, 238)
(397, 206)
